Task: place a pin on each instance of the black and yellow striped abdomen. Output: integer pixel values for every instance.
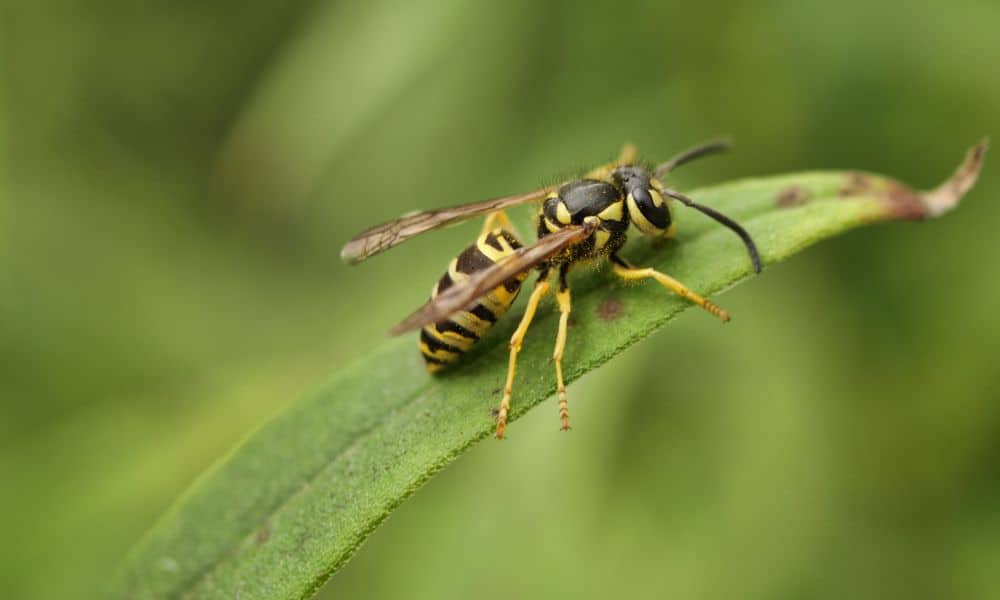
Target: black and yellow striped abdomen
(443, 343)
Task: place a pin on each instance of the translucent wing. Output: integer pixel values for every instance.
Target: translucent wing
(465, 292)
(385, 236)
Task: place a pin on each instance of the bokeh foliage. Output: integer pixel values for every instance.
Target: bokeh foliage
(178, 178)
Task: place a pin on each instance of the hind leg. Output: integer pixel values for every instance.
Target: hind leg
(498, 219)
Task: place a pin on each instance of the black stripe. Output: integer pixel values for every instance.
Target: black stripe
(513, 241)
(659, 216)
(483, 313)
(434, 344)
(492, 241)
(444, 283)
(514, 283)
(472, 260)
(453, 327)
(435, 361)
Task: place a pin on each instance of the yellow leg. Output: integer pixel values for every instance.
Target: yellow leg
(627, 271)
(627, 155)
(563, 297)
(494, 220)
(541, 288)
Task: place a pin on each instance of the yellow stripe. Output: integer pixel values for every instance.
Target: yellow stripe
(489, 251)
(471, 322)
(562, 213)
(657, 198)
(496, 305)
(552, 227)
(500, 295)
(438, 354)
(434, 367)
(498, 300)
(453, 271)
(611, 213)
(451, 338)
(601, 238)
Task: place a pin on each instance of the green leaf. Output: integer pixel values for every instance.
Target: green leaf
(288, 507)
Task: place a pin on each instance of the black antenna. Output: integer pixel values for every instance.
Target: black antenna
(706, 149)
(721, 218)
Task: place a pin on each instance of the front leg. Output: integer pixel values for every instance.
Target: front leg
(626, 271)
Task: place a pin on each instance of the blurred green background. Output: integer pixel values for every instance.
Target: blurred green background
(179, 177)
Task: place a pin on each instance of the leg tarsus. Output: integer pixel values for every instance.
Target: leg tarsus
(563, 298)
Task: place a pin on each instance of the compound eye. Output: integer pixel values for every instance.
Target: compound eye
(648, 211)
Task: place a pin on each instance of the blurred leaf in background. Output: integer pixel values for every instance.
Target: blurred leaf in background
(178, 179)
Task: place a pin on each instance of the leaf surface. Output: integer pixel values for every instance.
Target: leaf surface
(288, 507)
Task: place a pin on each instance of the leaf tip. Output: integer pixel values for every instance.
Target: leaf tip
(946, 196)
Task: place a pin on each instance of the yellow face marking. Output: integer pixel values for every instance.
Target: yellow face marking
(552, 227)
(612, 213)
(562, 214)
(639, 219)
(657, 198)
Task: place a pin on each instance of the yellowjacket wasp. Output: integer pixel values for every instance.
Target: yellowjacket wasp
(579, 220)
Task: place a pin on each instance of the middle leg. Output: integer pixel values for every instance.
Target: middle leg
(541, 288)
(563, 298)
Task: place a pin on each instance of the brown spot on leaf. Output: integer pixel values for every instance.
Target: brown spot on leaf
(898, 200)
(856, 185)
(495, 412)
(263, 535)
(793, 195)
(610, 309)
